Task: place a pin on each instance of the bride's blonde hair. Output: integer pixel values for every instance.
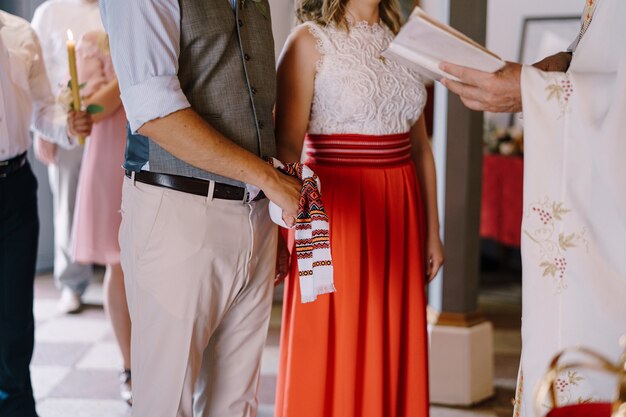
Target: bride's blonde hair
(326, 12)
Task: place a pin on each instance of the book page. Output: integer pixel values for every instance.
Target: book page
(452, 31)
(423, 43)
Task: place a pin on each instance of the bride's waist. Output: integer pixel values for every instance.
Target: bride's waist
(356, 149)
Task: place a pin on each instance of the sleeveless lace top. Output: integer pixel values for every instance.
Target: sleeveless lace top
(358, 92)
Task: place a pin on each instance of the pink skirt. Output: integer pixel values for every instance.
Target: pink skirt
(97, 215)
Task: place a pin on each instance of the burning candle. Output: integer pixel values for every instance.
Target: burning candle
(74, 85)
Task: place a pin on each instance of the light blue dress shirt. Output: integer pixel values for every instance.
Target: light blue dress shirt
(145, 44)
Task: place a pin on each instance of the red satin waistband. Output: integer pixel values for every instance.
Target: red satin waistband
(349, 149)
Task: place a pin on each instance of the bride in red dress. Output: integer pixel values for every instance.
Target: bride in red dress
(362, 351)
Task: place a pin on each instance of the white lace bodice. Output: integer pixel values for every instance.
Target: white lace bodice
(356, 91)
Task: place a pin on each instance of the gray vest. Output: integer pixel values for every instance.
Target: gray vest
(227, 71)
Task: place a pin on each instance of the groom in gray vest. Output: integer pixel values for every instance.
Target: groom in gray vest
(198, 248)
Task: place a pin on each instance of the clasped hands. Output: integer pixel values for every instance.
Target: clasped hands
(78, 124)
(499, 92)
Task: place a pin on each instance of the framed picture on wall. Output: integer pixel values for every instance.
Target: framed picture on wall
(545, 36)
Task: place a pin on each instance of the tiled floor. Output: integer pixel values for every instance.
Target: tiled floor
(76, 360)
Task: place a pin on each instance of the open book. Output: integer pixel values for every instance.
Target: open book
(424, 42)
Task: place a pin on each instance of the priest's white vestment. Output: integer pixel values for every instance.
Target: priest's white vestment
(574, 225)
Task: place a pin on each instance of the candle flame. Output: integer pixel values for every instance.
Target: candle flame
(70, 35)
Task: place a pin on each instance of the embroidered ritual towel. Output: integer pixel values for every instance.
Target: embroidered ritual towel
(312, 234)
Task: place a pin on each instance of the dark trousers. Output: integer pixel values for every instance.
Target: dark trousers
(19, 233)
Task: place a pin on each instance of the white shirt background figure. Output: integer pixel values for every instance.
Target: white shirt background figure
(51, 21)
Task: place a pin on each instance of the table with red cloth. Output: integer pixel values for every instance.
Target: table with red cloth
(501, 210)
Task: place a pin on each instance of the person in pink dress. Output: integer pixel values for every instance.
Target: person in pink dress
(97, 218)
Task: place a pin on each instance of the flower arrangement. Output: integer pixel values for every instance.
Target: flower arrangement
(66, 100)
(503, 141)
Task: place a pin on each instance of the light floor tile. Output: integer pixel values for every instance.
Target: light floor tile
(72, 329)
(103, 355)
(89, 384)
(264, 411)
(45, 309)
(75, 407)
(269, 361)
(45, 288)
(267, 389)
(94, 294)
(59, 354)
(46, 378)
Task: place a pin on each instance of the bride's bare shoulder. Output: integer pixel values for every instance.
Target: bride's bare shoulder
(303, 45)
(306, 35)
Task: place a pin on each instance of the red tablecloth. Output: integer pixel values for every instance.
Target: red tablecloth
(583, 410)
(501, 211)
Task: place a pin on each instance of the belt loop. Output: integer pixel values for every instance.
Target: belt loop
(246, 195)
(211, 191)
(132, 177)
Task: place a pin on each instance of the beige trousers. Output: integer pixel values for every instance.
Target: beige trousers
(199, 280)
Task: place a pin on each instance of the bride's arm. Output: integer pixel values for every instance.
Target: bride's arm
(424, 161)
(296, 76)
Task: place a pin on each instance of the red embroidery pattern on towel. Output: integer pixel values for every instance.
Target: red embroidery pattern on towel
(311, 208)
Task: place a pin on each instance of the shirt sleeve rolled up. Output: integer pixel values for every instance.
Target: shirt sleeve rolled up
(145, 44)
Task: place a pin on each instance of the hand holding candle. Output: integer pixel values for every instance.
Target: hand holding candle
(74, 85)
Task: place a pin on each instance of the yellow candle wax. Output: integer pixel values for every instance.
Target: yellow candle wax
(74, 85)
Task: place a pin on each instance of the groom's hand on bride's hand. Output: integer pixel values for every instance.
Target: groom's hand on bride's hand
(499, 92)
(284, 191)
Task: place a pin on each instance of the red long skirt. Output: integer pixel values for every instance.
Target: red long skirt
(362, 351)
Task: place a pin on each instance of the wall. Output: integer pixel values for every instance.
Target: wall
(24, 8)
(505, 19)
(282, 22)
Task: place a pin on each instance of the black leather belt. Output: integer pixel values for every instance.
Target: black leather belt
(194, 186)
(10, 166)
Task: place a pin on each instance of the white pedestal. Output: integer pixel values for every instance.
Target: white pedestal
(461, 364)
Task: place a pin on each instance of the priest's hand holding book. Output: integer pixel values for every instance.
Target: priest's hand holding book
(498, 92)
(482, 79)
